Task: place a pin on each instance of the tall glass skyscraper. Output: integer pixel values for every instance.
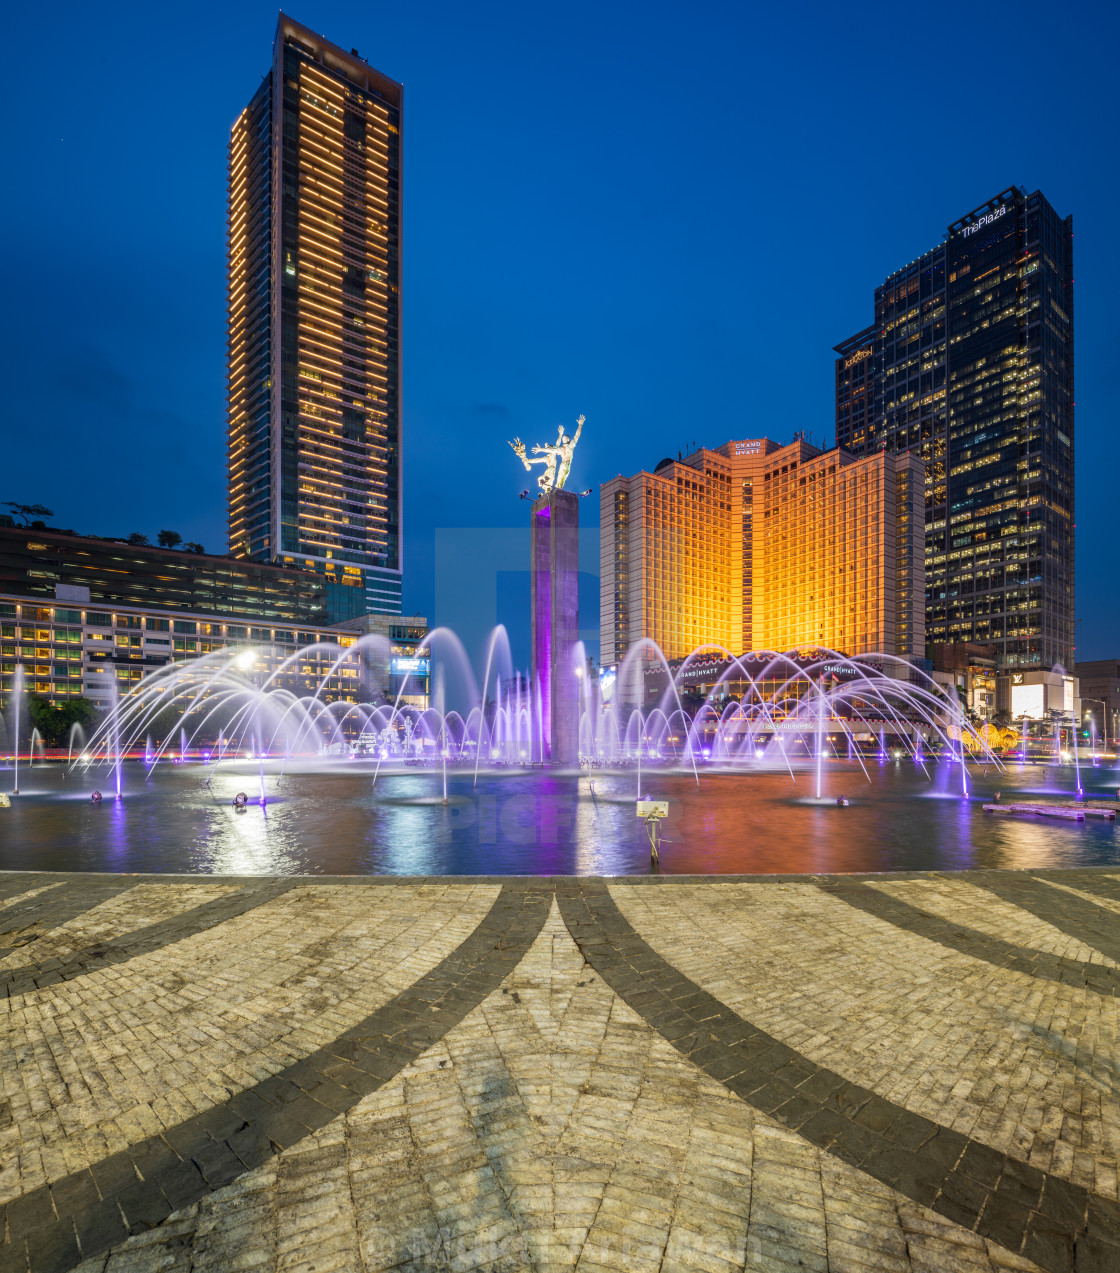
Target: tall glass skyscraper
(314, 320)
(970, 362)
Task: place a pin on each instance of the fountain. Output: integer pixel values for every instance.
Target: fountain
(779, 699)
(113, 736)
(17, 701)
(768, 733)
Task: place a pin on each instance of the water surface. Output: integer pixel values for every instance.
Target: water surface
(342, 822)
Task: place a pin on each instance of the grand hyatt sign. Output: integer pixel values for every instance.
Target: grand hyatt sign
(987, 219)
(709, 668)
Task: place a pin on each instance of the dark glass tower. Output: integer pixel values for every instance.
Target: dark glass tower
(970, 361)
(314, 322)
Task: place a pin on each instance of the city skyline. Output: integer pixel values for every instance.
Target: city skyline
(561, 365)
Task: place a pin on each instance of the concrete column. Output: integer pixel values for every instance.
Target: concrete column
(555, 594)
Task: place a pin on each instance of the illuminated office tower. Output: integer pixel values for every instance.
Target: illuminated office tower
(970, 363)
(756, 546)
(314, 322)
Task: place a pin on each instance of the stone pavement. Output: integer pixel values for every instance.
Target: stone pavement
(902, 1072)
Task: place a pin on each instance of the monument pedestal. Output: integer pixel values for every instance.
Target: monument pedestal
(555, 590)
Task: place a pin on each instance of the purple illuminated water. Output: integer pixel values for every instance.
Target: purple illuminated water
(338, 822)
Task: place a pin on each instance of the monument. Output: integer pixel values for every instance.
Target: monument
(554, 538)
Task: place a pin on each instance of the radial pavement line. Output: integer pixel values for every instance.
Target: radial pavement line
(972, 942)
(1094, 925)
(1059, 1225)
(55, 907)
(52, 1228)
(17, 882)
(142, 941)
(1099, 882)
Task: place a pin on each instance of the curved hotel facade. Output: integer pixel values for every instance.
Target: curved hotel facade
(759, 546)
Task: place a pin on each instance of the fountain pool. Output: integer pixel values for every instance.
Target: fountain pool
(334, 819)
(237, 763)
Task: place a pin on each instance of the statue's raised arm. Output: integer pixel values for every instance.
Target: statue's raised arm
(567, 448)
(557, 459)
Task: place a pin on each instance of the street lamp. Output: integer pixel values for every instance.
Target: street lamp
(1085, 698)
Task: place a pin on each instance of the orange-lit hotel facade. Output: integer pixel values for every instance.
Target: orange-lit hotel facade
(314, 320)
(757, 546)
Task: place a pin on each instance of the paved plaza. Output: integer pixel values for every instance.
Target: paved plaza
(891, 1072)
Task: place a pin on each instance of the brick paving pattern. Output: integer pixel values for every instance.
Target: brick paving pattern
(826, 1073)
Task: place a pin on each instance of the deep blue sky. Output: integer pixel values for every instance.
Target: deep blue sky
(661, 215)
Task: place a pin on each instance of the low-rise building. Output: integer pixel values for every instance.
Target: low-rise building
(403, 664)
(1038, 694)
(971, 671)
(93, 617)
(50, 566)
(1100, 697)
(67, 651)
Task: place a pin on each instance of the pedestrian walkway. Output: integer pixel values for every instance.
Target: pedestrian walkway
(890, 1072)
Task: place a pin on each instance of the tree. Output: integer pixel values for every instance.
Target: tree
(29, 511)
(54, 723)
(170, 538)
(138, 539)
(191, 547)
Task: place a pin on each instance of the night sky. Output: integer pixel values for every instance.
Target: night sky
(662, 216)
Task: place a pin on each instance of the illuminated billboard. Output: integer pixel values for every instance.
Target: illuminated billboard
(607, 677)
(1029, 701)
(402, 666)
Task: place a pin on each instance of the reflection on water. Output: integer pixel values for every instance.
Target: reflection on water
(342, 823)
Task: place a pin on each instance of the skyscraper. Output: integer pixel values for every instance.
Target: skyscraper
(970, 362)
(314, 322)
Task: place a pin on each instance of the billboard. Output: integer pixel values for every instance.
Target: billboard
(417, 665)
(1029, 701)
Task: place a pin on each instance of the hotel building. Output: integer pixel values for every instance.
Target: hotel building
(314, 319)
(837, 551)
(758, 546)
(670, 559)
(969, 362)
